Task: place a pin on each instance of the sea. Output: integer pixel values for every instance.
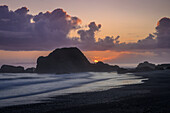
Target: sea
(27, 88)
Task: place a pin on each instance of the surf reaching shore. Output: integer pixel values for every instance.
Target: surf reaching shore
(151, 96)
(29, 88)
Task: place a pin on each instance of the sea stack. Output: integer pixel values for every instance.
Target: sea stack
(145, 66)
(11, 69)
(64, 60)
(69, 60)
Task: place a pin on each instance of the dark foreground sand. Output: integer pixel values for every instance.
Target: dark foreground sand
(151, 97)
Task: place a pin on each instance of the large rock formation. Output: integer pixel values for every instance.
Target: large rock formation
(11, 69)
(163, 66)
(65, 60)
(69, 60)
(145, 66)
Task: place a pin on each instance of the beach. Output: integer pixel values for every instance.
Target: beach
(153, 96)
(84, 56)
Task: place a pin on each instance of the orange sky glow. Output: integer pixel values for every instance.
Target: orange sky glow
(31, 56)
(102, 55)
(132, 20)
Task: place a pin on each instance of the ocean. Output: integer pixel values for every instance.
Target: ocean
(27, 88)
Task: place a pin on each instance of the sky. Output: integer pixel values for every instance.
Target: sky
(112, 31)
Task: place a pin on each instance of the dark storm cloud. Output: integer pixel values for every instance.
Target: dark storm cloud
(163, 33)
(45, 31)
(18, 20)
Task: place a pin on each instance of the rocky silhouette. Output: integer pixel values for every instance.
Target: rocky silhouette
(141, 67)
(65, 60)
(11, 69)
(163, 66)
(30, 70)
(102, 67)
(72, 60)
(69, 60)
(145, 66)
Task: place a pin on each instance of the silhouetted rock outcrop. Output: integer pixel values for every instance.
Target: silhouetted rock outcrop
(64, 60)
(30, 70)
(11, 69)
(106, 67)
(102, 67)
(145, 66)
(69, 60)
(163, 66)
(142, 67)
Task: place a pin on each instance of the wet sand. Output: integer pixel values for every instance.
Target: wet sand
(153, 96)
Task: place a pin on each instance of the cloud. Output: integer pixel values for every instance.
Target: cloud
(158, 40)
(87, 39)
(148, 43)
(18, 20)
(46, 31)
(163, 33)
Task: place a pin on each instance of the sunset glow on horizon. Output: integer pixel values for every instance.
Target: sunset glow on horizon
(67, 49)
(96, 61)
(111, 31)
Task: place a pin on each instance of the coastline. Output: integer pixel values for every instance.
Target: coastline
(151, 96)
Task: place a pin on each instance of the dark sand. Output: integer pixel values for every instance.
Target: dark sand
(153, 96)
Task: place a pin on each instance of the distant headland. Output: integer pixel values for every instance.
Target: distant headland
(72, 60)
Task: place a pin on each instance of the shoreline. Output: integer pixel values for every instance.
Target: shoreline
(151, 96)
